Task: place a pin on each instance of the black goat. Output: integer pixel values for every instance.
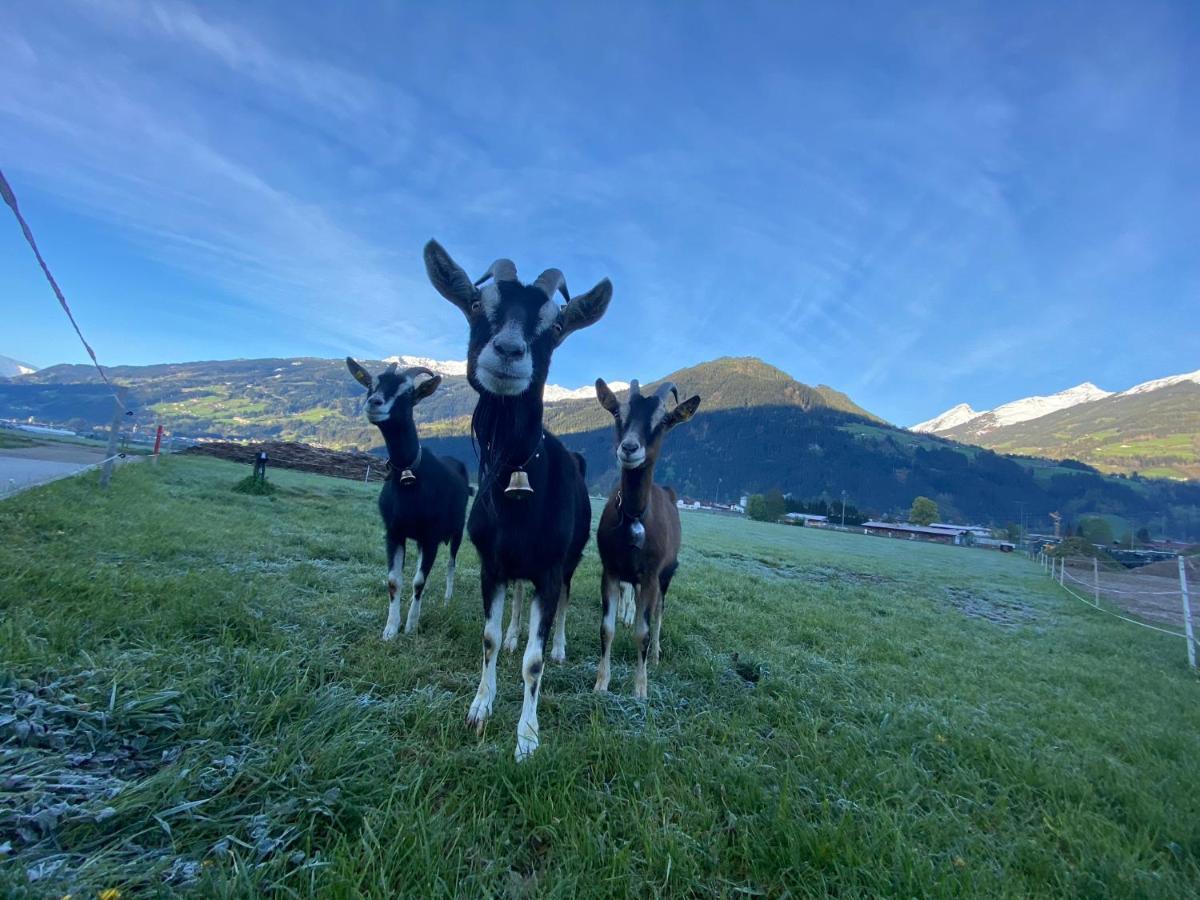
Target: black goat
(532, 517)
(425, 498)
(639, 533)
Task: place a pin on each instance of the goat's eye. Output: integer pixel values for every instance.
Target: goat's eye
(558, 327)
(476, 306)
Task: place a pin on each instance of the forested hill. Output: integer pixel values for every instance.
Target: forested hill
(817, 454)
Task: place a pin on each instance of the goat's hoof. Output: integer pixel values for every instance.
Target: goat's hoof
(390, 632)
(558, 654)
(510, 643)
(525, 748)
(600, 688)
(481, 710)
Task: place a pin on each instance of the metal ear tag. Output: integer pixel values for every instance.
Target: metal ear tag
(407, 478)
(637, 534)
(518, 485)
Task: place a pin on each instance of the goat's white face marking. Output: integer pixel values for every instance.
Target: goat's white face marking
(489, 296)
(505, 375)
(546, 317)
(383, 396)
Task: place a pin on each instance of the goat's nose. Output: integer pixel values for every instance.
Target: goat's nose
(629, 445)
(376, 401)
(509, 347)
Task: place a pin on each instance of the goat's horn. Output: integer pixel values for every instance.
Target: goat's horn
(413, 371)
(635, 389)
(667, 387)
(391, 367)
(500, 270)
(550, 281)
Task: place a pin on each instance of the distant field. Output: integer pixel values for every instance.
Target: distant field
(194, 694)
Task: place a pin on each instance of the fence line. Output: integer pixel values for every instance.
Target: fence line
(1056, 567)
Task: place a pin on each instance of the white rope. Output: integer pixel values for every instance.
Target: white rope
(1089, 584)
(1118, 616)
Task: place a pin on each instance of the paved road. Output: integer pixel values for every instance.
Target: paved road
(24, 467)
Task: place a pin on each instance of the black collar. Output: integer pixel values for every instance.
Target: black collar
(412, 465)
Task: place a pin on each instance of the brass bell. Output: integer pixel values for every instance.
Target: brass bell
(518, 485)
(407, 477)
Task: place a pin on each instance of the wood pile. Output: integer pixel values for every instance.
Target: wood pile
(302, 457)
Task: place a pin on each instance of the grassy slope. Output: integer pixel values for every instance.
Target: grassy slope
(891, 745)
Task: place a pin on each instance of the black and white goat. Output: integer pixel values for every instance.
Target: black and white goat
(425, 498)
(532, 516)
(639, 533)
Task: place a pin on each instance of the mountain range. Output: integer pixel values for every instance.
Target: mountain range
(758, 428)
(1152, 428)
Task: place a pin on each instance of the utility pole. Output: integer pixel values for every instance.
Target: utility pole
(114, 434)
(843, 509)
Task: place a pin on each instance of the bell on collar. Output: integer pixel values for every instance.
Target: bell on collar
(407, 478)
(637, 534)
(518, 485)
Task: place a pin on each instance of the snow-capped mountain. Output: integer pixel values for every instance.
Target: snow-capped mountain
(10, 368)
(1159, 383)
(554, 393)
(951, 418)
(1022, 410)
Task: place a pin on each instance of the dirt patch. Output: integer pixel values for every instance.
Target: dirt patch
(995, 608)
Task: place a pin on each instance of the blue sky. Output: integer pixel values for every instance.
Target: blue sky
(917, 204)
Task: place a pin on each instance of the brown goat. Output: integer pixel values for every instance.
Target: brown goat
(639, 533)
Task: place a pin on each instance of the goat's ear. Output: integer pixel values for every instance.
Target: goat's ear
(584, 310)
(361, 375)
(425, 388)
(448, 277)
(682, 412)
(606, 397)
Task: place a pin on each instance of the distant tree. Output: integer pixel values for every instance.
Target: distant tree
(1013, 531)
(1096, 530)
(756, 508)
(776, 504)
(924, 511)
(1143, 535)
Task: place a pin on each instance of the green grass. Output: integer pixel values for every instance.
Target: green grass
(201, 700)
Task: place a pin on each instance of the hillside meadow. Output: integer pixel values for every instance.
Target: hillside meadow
(194, 697)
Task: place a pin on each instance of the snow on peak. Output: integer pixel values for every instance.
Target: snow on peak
(555, 393)
(1035, 407)
(441, 366)
(951, 418)
(1158, 383)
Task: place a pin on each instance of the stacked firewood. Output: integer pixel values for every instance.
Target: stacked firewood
(302, 457)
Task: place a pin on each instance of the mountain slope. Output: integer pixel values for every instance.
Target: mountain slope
(12, 368)
(1152, 428)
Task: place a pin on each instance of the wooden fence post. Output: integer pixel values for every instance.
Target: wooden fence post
(1096, 577)
(114, 434)
(1062, 572)
(1187, 613)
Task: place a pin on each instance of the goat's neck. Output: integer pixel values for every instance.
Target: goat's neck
(401, 440)
(508, 429)
(636, 485)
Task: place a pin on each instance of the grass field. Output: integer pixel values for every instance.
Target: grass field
(194, 695)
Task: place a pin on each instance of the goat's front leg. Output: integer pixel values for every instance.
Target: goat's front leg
(541, 617)
(493, 612)
(395, 550)
(610, 594)
(454, 544)
(425, 559)
(513, 634)
(558, 650)
(656, 628)
(647, 597)
(628, 603)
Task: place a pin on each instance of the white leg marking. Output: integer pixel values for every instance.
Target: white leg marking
(608, 627)
(628, 603)
(531, 671)
(414, 607)
(655, 649)
(449, 581)
(558, 650)
(514, 622)
(641, 636)
(481, 706)
(395, 573)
